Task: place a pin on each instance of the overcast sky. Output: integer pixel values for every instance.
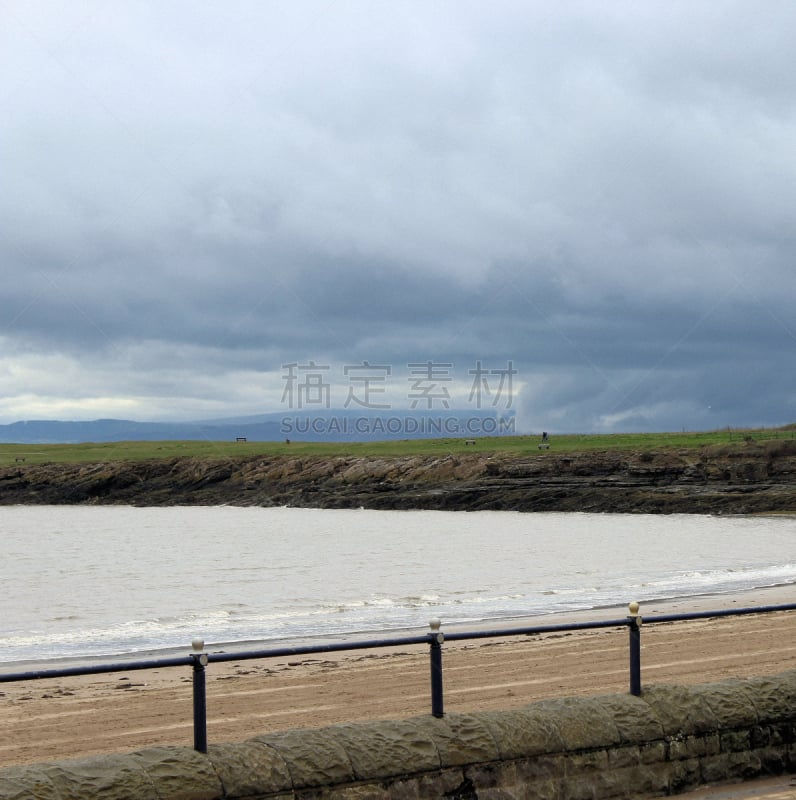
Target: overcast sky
(599, 196)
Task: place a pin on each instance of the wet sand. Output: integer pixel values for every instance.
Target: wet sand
(50, 719)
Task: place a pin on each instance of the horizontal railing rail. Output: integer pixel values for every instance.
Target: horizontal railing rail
(198, 659)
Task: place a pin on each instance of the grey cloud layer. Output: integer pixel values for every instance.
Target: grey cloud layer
(602, 194)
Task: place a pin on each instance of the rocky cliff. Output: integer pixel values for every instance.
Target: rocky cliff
(735, 479)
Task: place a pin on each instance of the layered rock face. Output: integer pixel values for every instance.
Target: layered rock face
(669, 740)
(734, 480)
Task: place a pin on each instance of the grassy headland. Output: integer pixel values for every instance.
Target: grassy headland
(105, 452)
(727, 471)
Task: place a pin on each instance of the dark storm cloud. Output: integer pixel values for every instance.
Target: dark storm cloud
(603, 195)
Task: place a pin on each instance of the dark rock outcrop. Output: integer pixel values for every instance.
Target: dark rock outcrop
(738, 479)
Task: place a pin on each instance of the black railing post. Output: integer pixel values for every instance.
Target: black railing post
(199, 696)
(435, 639)
(634, 626)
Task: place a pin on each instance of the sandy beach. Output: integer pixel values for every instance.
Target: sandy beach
(52, 719)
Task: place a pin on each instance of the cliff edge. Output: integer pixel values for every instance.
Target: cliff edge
(732, 479)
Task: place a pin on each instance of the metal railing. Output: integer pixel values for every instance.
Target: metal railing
(198, 659)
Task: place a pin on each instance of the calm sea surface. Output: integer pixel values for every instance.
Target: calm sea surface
(80, 581)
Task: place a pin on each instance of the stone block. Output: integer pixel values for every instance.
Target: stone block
(439, 784)
(406, 789)
(684, 775)
(743, 765)
(582, 722)
(780, 733)
(368, 791)
(388, 748)
(635, 781)
(542, 770)
(178, 773)
(505, 788)
(589, 760)
(734, 741)
(759, 736)
(312, 757)
(715, 769)
(459, 738)
(466, 790)
(680, 710)
(540, 790)
(578, 787)
(484, 776)
(111, 777)
(624, 757)
(773, 761)
(677, 748)
(584, 774)
(588, 775)
(523, 732)
(771, 695)
(634, 719)
(656, 776)
(685, 747)
(249, 768)
(653, 752)
(730, 704)
(502, 793)
(23, 783)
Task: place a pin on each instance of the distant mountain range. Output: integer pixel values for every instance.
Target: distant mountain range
(327, 425)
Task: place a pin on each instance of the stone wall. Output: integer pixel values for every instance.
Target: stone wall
(669, 740)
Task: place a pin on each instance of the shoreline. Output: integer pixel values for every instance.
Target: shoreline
(779, 594)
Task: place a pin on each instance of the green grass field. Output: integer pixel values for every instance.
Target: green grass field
(508, 445)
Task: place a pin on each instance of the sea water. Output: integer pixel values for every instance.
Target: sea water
(90, 581)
